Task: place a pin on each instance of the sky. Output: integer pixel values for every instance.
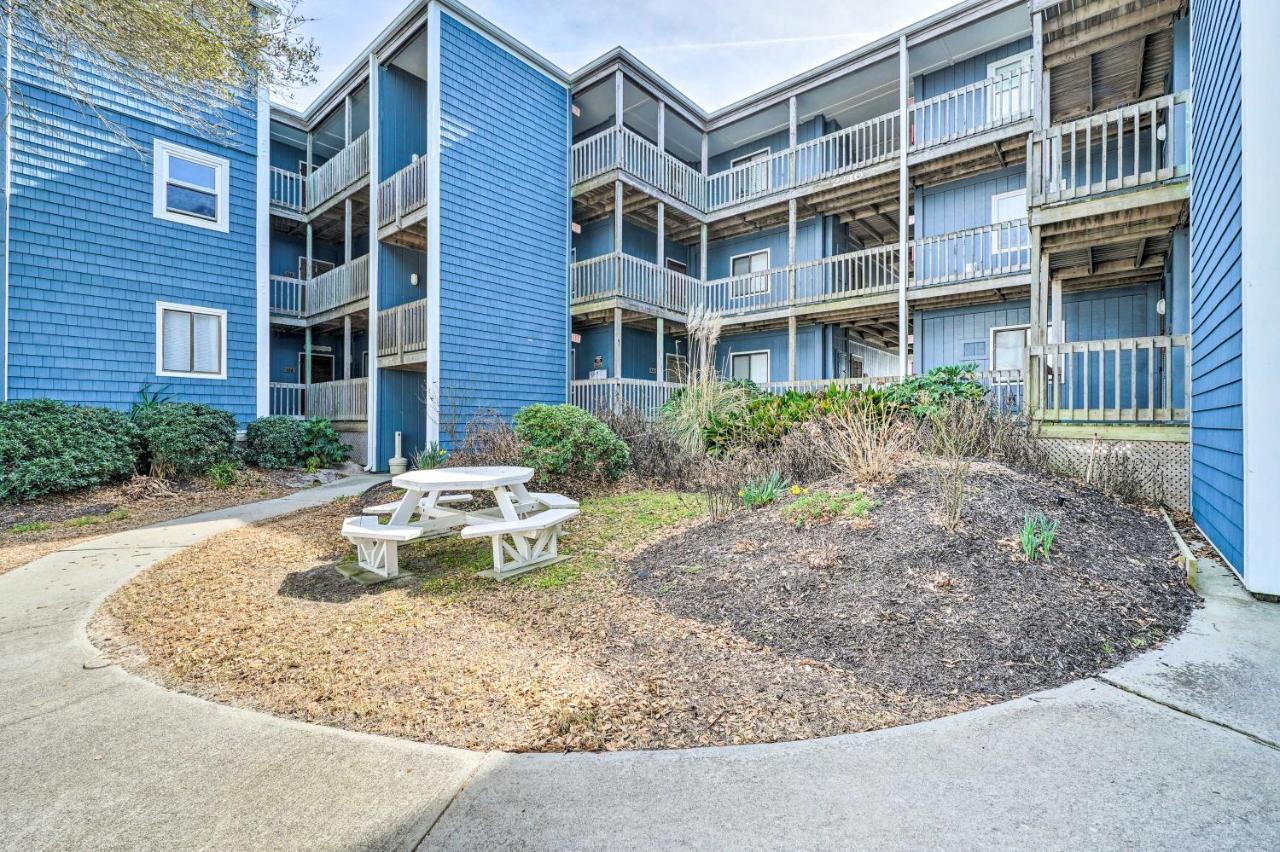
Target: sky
(714, 52)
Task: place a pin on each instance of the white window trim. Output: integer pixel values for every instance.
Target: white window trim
(1001, 196)
(737, 279)
(991, 343)
(994, 111)
(159, 179)
(161, 307)
(747, 159)
(768, 361)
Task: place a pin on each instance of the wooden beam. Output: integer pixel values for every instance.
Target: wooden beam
(1141, 253)
(1141, 65)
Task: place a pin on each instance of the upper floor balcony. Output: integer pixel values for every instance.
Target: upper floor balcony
(1140, 145)
(330, 292)
(962, 257)
(997, 106)
(402, 198)
(296, 193)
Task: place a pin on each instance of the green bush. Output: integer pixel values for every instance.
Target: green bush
(185, 439)
(564, 440)
(275, 442)
(321, 442)
(49, 447)
(928, 394)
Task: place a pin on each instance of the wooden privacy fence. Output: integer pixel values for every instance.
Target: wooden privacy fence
(1122, 380)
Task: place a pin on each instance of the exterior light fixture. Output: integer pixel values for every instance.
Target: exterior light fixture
(413, 279)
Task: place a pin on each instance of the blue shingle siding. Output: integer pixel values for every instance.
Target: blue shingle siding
(402, 132)
(638, 351)
(1217, 445)
(812, 355)
(88, 260)
(949, 207)
(504, 224)
(971, 70)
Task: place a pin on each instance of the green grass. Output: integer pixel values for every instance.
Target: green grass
(28, 527)
(826, 506)
(607, 528)
(91, 520)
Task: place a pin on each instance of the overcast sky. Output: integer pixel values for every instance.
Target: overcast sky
(714, 52)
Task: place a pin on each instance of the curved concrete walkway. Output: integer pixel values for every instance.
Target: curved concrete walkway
(1178, 749)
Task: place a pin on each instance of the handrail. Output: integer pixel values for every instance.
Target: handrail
(986, 251)
(618, 396)
(1130, 379)
(338, 172)
(288, 190)
(404, 193)
(403, 329)
(624, 276)
(287, 295)
(339, 286)
(984, 105)
(1134, 145)
(341, 399)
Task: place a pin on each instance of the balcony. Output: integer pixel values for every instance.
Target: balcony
(1122, 380)
(620, 148)
(331, 291)
(402, 198)
(973, 254)
(342, 400)
(971, 110)
(622, 276)
(402, 334)
(830, 279)
(293, 193)
(1141, 145)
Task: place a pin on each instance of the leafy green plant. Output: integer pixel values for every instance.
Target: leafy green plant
(27, 527)
(185, 438)
(149, 397)
(822, 506)
(762, 491)
(564, 440)
(321, 441)
(1037, 536)
(929, 394)
(223, 475)
(49, 447)
(275, 442)
(430, 458)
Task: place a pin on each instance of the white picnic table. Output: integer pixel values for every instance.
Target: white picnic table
(524, 527)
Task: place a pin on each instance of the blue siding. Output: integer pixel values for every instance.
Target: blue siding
(402, 407)
(1217, 439)
(503, 170)
(966, 71)
(948, 207)
(809, 246)
(402, 132)
(89, 261)
(962, 335)
(813, 356)
(596, 239)
(637, 351)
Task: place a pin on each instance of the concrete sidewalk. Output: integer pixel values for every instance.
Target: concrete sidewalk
(1177, 749)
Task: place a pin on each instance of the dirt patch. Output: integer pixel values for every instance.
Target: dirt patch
(31, 530)
(624, 648)
(897, 600)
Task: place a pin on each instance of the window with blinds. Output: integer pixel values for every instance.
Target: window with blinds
(190, 341)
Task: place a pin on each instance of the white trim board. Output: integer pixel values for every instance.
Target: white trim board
(433, 224)
(262, 259)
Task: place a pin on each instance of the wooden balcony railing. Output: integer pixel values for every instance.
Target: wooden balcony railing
(339, 172)
(627, 277)
(1122, 380)
(1131, 146)
(288, 190)
(287, 296)
(402, 330)
(972, 254)
(403, 194)
(340, 286)
(619, 395)
(286, 398)
(858, 273)
(344, 399)
(972, 109)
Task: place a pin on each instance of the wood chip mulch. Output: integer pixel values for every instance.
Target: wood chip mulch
(709, 635)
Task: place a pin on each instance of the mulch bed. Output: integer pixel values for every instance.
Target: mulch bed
(59, 521)
(899, 601)
(666, 630)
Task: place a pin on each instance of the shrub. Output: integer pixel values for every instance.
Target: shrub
(223, 475)
(49, 447)
(274, 442)
(655, 453)
(429, 458)
(930, 393)
(185, 438)
(564, 440)
(488, 440)
(705, 414)
(953, 436)
(865, 439)
(761, 491)
(320, 441)
(822, 506)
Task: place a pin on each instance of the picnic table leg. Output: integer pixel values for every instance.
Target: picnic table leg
(408, 505)
(503, 498)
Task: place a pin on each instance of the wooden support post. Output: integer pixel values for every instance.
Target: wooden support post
(662, 126)
(704, 155)
(617, 236)
(306, 357)
(702, 252)
(1058, 330)
(347, 223)
(346, 120)
(791, 349)
(661, 253)
(617, 343)
(792, 136)
(618, 105)
(346, 347)
(306, 274)
(904, 200)
(791, 251)
(661, 337)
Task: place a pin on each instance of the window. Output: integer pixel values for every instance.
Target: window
(190, 187)
(750, 365)
(678, 266)
(190, 341)
(1009, 206)
(1012, 242)
(677, 368)
(743, 269)
(1007, 346)
(1009, 94)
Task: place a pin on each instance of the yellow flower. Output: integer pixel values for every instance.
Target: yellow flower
(795, 489)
